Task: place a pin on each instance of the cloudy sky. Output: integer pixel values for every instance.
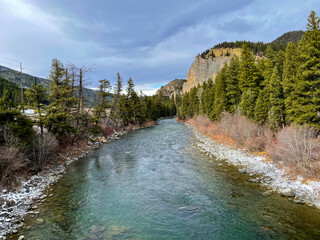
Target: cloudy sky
(152, 41)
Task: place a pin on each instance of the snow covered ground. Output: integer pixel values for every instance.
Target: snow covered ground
(266, 172)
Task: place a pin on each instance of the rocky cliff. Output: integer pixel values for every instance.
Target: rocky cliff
(204, 68)
(172, 89)
(207, 64)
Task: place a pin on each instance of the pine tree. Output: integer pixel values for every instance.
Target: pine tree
(37, 96)
(194, 102)
(290, 68)
(262, 106)
(306, 100)
(11, 120)
(104, 93)
(233, 92)
(220, 97)
(133, 103)
(249, 75)
(5, 102)
(58, 118)
(280, 62)
(248, 103)
(313, 22)
(249, 84)
(184, 111)
(276, 113)
(209, 98)
(115, 107)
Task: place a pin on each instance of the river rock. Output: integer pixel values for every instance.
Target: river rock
(4, 215)
(11, 203)
(299, 201)
(254, 180)
(94, 228)
(43, 196)
(39, 220)
(21, 237)
(287, 192)
(267, 193)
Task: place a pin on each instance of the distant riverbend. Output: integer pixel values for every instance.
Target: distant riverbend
(156, 183)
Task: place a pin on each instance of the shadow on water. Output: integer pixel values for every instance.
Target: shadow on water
(155, 184)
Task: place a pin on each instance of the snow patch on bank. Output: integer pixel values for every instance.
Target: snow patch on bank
(268, 173)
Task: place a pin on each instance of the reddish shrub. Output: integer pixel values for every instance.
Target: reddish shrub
(298, 147)
(244, 132)
(107, 131)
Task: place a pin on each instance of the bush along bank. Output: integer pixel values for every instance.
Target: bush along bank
(15, 204)
(282, 173)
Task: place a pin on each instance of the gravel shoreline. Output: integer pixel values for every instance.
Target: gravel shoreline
(21, 202)
(262, 171)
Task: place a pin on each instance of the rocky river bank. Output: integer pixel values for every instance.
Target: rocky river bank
(261, 171)
(16, 204)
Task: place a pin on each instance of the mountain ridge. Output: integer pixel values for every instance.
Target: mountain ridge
(28, 79)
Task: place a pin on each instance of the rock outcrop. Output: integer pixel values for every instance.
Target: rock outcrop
(204, 68)
(172, 89)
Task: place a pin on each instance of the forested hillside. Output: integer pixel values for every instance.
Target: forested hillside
(27, 81)
(13, 89)
(278, 90)
(259, 48)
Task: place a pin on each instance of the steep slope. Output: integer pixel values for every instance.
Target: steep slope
(27, 81)
(15, 77)
(13, 89)
(293, 36)
(173, 88)
(204, 68)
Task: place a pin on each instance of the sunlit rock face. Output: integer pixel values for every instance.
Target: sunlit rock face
(172, 89)
(204, 68)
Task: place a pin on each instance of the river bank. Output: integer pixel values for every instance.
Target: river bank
(16, 204)
(262, 171)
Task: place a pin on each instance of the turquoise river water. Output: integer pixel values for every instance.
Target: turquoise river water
(156, 184)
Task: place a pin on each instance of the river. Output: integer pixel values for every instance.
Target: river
(156, 184)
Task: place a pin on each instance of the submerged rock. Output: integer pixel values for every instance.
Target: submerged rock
(267, 193)
(190, 209)
(39, 220)
(118, 230)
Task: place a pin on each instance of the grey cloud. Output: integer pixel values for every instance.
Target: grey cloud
(236, 25)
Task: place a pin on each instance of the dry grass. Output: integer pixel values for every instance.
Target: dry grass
(234, 130)
(44, 149)
(13, 165)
